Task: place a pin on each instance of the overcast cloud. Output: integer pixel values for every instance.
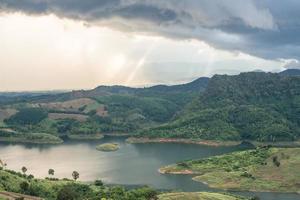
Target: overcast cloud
(85, 43)
(264, 28)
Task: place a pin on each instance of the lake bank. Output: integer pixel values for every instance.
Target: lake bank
(200, 196)
(85, 136)
(213, 143)
(264, 170)
(32, 138)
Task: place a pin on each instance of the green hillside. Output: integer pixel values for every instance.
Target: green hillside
(249, 106)
(261, 169)
(105, 109)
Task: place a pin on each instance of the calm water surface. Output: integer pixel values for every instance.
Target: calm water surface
(133, 164)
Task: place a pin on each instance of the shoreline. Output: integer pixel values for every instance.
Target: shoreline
(86, 137)
(214, 143)
(244, 190)
(216, 176)
(194, 178)
(27, 141)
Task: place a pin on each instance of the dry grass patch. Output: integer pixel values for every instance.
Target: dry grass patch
(7, 113)
(71, 105)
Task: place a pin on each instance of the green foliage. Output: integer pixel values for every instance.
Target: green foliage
(29, 137)
(74, 192)
(27, 116)
(12, 181)
(261, 169)
(155, 109)
(249, 106)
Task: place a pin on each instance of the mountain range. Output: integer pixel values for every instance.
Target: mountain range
(250, 106)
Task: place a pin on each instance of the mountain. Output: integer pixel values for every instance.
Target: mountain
(249, 106)
(290, 72)
(103, 109)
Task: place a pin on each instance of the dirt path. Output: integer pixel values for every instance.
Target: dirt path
(14, 196)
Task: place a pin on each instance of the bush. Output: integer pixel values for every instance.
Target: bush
(98, 183)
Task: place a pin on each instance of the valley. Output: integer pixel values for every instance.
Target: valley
(224, 128)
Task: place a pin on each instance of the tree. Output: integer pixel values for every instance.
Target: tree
(24, 170)
(30, 176)
(67, 193)
(24, 186)
(51, 172)
(98, 183)
(75, 175)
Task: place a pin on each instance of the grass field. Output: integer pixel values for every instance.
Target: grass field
(262, 169)
(78, 117)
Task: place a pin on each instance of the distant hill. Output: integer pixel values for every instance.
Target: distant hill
(254, 106)
(103, 109)
(290, 72)
(197, 85)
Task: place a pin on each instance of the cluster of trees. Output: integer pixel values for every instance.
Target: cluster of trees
(69, 190)
(27, 116)
(152, 108)
(249, 106)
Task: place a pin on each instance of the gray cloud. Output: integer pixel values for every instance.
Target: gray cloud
(292, 64)
(264, 28)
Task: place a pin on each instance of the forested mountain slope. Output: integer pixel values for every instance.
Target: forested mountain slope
(255, 106)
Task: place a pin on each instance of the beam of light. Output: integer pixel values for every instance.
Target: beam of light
(207, 69)
(141, 61)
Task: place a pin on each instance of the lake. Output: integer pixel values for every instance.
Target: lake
(133, 164)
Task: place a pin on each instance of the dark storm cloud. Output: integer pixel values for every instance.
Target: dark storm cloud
(264, 28)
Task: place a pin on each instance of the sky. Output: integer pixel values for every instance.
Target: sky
(75, 44)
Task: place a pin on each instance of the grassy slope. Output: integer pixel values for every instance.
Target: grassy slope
(198, 196)
(10, 182)
(252, 170)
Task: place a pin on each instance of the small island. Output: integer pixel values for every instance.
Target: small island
(108, 147)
